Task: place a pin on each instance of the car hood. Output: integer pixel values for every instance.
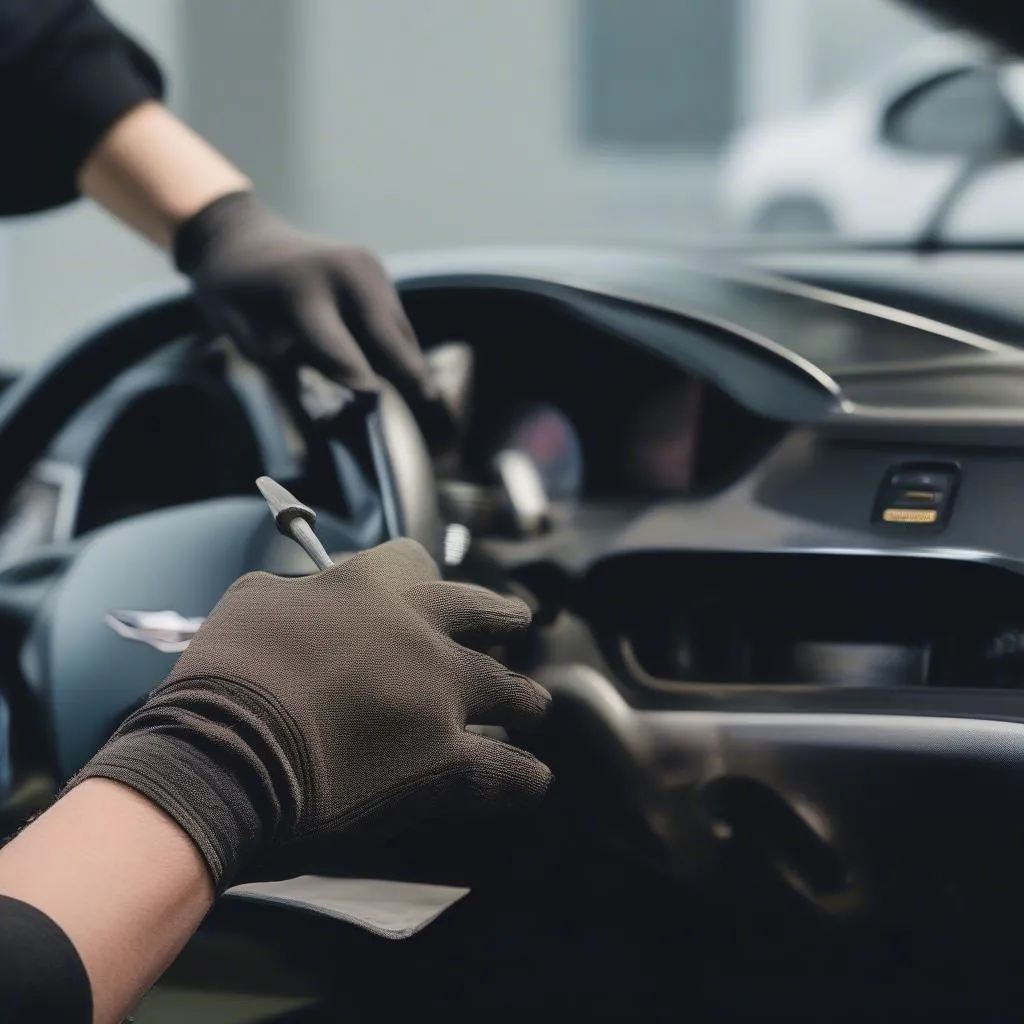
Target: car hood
(999, 21)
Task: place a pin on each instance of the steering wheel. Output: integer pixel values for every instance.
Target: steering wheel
(67, 675)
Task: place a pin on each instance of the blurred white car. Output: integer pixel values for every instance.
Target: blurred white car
(876, 162)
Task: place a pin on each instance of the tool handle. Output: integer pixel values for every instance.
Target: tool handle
(303, 534)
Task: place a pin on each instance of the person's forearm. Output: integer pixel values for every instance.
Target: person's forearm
(122, 880)
(153, 172)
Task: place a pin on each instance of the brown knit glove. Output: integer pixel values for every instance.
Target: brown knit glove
(331, 705)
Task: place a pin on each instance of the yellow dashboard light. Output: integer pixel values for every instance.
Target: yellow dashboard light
(910, 515)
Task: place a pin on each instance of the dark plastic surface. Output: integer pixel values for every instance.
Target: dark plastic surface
(830, 345)
(895, 818)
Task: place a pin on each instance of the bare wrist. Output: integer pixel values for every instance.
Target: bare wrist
(153, 172)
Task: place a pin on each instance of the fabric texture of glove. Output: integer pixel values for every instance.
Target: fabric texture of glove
(332, 706)
(285, 295)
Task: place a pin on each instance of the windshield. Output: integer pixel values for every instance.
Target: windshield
(422, 124)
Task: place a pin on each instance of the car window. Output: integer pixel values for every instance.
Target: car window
(956, 113)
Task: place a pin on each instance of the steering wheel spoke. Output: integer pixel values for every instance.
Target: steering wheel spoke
(25, 584)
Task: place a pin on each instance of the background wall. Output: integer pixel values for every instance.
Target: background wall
(420, 123)
(844, 42)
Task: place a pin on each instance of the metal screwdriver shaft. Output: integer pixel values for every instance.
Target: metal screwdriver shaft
(294, 520)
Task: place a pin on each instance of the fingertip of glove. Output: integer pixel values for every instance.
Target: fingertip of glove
(544, 697)
(536, 700)
(546, 779)
(469, 607)
(504, 777)
(535, 784)
(518, 609)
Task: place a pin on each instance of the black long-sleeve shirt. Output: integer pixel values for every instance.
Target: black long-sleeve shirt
(41, 974)
(66, 75)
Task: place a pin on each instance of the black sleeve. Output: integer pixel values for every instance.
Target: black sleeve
(41, 975)
(67, 73)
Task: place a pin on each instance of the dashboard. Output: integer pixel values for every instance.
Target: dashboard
(603, 419)
(671, 438)
(803, 477)
(656, 452)
(783, 566)
(783, 612)
(606, 423)
(807, 434)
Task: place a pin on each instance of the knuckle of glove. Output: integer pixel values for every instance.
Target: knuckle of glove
(230, 613)
(399, 564)
(254, 607)
(254, 582)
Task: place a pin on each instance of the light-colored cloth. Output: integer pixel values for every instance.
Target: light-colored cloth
(393, 910)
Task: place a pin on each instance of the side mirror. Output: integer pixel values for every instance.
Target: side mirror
(1010, 80)
(984, 110)
(965, 113)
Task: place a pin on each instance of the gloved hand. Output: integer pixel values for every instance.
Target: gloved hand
(331, 705)
(283, 294)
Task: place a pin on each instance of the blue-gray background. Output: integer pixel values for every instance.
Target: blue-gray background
(421, 123)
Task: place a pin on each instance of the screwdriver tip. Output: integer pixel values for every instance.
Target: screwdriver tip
(284, 506)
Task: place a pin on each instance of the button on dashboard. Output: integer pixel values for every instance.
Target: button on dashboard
(917, 494)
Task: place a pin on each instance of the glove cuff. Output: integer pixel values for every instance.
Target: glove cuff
(208, 802)
(193, 236)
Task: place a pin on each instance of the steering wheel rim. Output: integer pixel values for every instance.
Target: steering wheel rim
(35, 409)
(38, 405)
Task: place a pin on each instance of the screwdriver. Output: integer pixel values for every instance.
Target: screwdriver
(294, 520)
